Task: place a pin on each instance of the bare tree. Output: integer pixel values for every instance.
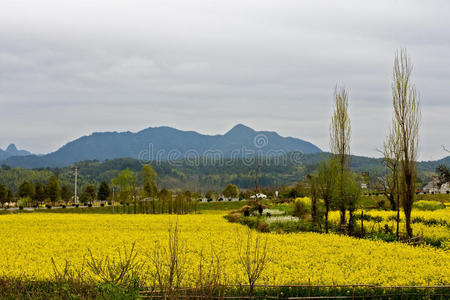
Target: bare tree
(392, 155)
(340, 137)
(210, 270)
(252, 257)
(169, 262)
(116, 269)
(407, 121)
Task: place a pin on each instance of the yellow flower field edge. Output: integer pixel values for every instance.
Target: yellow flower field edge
(31, 242)
(434, 226)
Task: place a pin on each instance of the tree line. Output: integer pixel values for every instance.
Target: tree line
(339, 187)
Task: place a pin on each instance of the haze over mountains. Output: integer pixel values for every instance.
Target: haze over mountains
(162, 144)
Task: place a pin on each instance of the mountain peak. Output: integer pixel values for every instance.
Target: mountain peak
(240, 129)
(12, 148)
(13, 151)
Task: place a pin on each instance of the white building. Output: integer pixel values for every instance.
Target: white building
(259, 196)
(445, 188)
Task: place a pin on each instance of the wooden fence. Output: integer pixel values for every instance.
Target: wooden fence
(298, 292)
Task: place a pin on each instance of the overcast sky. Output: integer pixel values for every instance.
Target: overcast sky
(70, 68)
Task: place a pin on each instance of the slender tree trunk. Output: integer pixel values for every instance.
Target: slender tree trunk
(350, 221)
(362, 223)
(409, 231)
(342, 207)
(398, 217)
(407, 208)
(342, 214)
(392, 201)
(314, 211)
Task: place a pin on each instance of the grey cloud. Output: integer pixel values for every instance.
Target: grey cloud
(68, 69)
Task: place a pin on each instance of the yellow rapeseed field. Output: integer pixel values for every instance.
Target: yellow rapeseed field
(29, 241)
(430, 232)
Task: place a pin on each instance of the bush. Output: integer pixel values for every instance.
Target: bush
(367, 217)
(301, 207)
(262, 226)
(90, 205)
(233, 217)
(291, 226)
(20, 207)
(381, 236)
(381, 203)
(251, 222)
(428, 205)
(24, 202)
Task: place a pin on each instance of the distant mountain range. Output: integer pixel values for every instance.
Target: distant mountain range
(163, 144)
(12, 151)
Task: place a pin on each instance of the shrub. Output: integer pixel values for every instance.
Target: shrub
(301, 207)
(262, 226)
(290, 226)
(428, 205)
(25, 201)
(242, 209)
(251, 222)
(381, 236)
(233, 217)
(367, 217)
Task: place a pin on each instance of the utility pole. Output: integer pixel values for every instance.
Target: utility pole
(76, 181)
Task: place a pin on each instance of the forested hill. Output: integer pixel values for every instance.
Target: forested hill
(165, 143)
(206, 174)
